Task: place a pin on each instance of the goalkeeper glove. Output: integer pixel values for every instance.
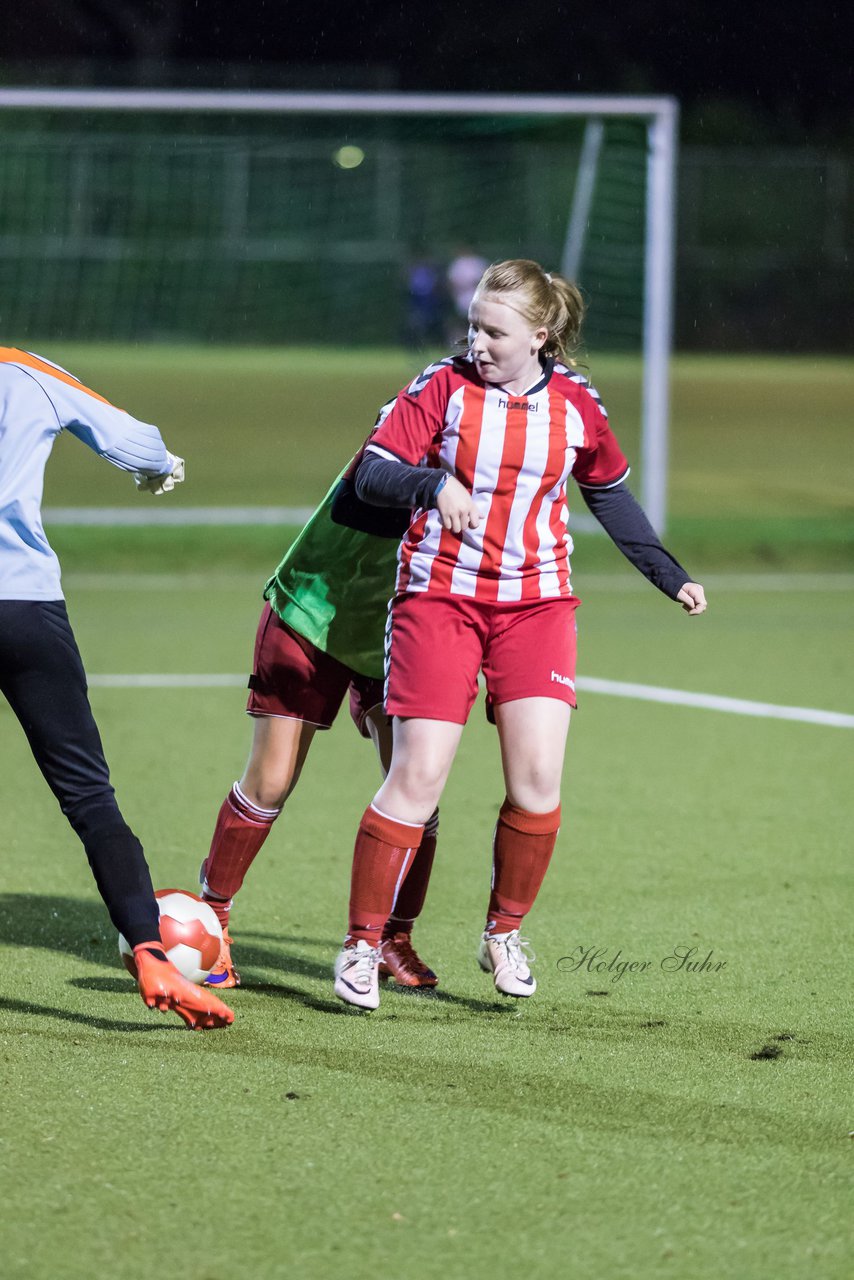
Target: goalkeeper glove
(162, 483)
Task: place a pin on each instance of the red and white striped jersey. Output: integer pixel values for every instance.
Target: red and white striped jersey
(514, 454)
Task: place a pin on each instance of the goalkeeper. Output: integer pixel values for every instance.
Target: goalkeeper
(41, 672)
(319, 639)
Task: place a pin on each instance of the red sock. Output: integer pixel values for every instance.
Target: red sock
(241, 829)
(522, 850)
(382, 856)
(409, 899)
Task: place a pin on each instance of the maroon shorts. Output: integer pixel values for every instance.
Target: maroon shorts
(294, 679)
(438, 644)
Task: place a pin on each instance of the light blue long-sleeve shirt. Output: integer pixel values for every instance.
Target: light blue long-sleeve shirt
(38, 400)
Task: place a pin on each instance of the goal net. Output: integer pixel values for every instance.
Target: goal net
(328, 218)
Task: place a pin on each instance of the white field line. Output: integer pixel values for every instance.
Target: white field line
(141, 582)
(758, 582)
(586, 684)
(163, 515)
(176, 515)
(714, 702)
(188, 681)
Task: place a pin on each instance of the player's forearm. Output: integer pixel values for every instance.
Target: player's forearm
(623, 519)
(138, 446)
(385, 481)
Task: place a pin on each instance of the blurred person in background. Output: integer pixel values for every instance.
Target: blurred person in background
(41, 671)
(463, 275)
(425, 304)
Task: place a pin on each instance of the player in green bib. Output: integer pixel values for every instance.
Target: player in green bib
(320, 637)
(333, 586)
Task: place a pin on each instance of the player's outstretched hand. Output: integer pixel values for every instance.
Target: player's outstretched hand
(162, 987)
(456, 506)
(692, 598)
(163, 483)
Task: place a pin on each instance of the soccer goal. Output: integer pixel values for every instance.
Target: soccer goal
(261, 217)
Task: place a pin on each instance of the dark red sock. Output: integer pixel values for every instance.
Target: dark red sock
(522, 850)
(241, 829)
(382, 857)
(410, 897)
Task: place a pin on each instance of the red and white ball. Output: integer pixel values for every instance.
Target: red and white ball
(190, 933)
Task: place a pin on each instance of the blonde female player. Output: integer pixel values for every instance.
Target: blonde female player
(482, 446)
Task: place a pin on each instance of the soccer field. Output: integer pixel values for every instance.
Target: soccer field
(623, 1123)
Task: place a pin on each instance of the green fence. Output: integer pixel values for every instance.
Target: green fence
(298, 229)
(307, 229)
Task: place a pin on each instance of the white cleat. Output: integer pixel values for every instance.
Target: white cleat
(503, 955)
(357, 979)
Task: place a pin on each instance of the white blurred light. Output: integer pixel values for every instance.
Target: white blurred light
(348, 157)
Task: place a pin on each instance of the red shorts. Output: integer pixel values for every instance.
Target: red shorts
(438, 644)
(292, 678)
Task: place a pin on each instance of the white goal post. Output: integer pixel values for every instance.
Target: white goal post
(659, 114)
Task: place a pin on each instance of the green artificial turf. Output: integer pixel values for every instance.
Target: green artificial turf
(763, 436)
(687, 1123)
(761, 467)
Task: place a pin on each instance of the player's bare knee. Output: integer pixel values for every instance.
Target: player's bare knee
(267, 792)
(537, 792)
(423, 783)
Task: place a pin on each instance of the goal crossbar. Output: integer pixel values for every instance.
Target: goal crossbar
(660, 114)
(240, 100)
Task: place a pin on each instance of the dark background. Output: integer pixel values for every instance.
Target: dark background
(765, 204)
(742, 71)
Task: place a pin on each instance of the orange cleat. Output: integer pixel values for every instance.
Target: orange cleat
(162, 987)
(223, 974)
(401, 962)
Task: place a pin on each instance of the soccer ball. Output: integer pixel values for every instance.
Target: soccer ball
(190, 933)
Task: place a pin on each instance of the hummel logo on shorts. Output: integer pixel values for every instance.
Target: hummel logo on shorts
(559, 679)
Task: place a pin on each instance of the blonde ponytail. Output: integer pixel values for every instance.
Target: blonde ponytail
(549, 301)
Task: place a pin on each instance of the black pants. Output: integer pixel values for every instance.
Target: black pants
(42, 677)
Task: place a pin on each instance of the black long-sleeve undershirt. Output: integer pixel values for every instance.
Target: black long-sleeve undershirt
(626, 524)
(390, 482)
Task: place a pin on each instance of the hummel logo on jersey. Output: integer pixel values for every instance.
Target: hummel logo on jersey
(559, 679)
(529, 405)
